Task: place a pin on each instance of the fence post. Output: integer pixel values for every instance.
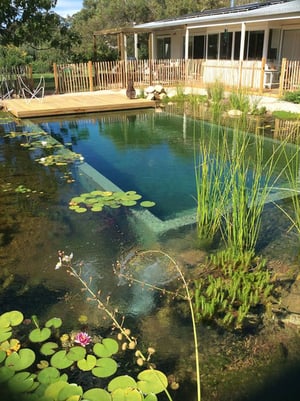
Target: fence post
(282, 76)
(90, 72)
(262, 75)
(55, 73)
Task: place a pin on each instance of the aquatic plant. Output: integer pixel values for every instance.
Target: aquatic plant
(212, 187)
(187, 296)
(239, 101)
(252, 180)
(151, 381)
(229, 295)
(96, 200)
(37, 369)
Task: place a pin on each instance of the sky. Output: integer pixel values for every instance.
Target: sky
(68, 7)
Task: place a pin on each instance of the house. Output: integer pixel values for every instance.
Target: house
(240, 45)
(269, 30)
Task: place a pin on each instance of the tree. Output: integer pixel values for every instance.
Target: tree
(35, 23)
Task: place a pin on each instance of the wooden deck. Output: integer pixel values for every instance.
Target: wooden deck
(55, 105)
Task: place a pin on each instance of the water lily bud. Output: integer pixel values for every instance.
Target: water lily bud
(174, 386)
(124, 346)
(132, 345)
(120, 336)
(140, 361)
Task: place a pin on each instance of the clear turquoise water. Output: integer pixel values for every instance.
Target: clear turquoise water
(151, 153)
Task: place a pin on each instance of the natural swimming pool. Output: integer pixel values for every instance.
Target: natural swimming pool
(38, 223)
(154, 154)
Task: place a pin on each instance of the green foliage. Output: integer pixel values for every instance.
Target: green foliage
(293, 97)
(229, 294)
(286, 115)
(97, 200)
(46, 381)
(239, 101)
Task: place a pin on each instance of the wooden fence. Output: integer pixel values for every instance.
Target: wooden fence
(9, 78)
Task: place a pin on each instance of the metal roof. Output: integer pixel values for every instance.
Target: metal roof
(266, 10)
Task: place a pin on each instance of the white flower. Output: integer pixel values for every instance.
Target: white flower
(58, 264)
(44, 143)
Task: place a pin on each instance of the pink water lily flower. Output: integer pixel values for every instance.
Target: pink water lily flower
(82, 338)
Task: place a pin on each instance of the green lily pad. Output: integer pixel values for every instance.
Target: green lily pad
(21, 382)
(55, 322)
(128, 202)
(20, 360)
(68, 391)
(48, 375)
(87, 364)
(54, 389)
(152, 381)
(80, 210)
(96, 394)
(14, 318)
(105, 367)
(5, 333)
(60, 361)
(106, 348)
(5, 374)
(2, 355)
(76, 353)
(121, 382)
(150, 397)
(39, 335)
(126, 394)
(147, 204)
(49, 348)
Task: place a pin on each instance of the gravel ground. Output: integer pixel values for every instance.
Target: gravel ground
(275, 104)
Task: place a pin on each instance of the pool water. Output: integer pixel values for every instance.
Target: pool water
(36, 224)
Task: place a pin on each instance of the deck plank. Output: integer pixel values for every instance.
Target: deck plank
(76, 103)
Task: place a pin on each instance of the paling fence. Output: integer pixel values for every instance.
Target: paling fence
(115, 74)
(9, 78)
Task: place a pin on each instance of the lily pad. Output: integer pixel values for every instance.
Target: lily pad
(152, 381)
(60, 361)
(76, 353)
(96, 394)
(55, 322)
(121, 382)
(5, 374)
(147, 204)
(87, 364)
(48, 375)
(54, 389)
(49, 348)
(105, 367)
(14, 318)
(68, 391)
(21, 382)
(20, 360)
(39, 335)
(108, 347)
(126, 394)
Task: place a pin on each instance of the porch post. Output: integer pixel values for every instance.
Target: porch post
(242, 45)
(266, 42)
(135, 39)
(150, 57)
(186, 49)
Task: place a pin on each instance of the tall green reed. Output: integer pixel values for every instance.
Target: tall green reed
(253, 176)
(211, 187)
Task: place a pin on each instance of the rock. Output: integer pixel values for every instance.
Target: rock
(292, 301)
(234, 113)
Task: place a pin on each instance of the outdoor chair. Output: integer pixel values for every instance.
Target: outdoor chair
(28, 92)
(5, 91)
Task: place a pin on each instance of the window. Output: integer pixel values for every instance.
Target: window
(199, 47)
(255, 45)
(164, 48)
(212, 46)
(225, 45)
